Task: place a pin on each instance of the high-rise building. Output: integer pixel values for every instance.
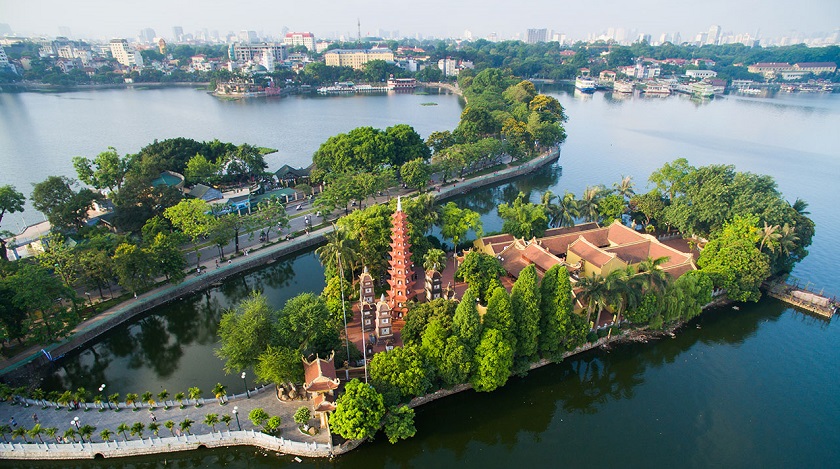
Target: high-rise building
(254, 52)
(536, 35)
(64, 31)
(125, 54)
(714, 35)
(147, 35)
(248, 37)
(4, 60)
(178, 33)
(300, 39)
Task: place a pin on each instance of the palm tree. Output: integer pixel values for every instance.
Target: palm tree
(788, 238)
(97, 400)
(651, 272)
(147, 398)
(195, 394)
(588, 204)
(36, 431)
(154, 427)
(226, 419)
(70, 434)
(52, 432)
(20, 431)
(219, 390)
(163, 396)
(594, 294)
(105, 434)
(186, 424)
(169, 424)
(81, 395)
(137, 429)
(624, 288)
(435, 259)
(800, 206)
(65, 398)
(769, 237)
(53, 396)
(568, 210)
(552, 211)
(4, 429)
(122, 428)
(624, 188)
(339, 244)
(180, 398)
(115, 399)
(87, 432)
(211, 420)
(131, 399)
(38, 394)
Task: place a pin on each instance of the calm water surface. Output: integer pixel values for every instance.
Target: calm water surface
(748, 388)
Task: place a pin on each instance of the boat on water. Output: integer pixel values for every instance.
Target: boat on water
(239, 88)
(585, 84)
(348, 87)
(751, 91)
(788, 88)
(656, 88)
(702, 90)
(401, 84)
(623, 86)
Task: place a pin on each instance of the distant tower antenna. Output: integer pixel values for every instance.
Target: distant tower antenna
(359, 24)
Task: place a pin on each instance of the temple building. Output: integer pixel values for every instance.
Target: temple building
(384, 320)
(367, 300)
(434, 286)
(401, 270)
(320, 382)
(585, 249)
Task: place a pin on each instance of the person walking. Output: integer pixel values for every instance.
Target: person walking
(35, 418)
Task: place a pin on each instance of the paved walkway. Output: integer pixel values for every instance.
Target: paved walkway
(62, 418)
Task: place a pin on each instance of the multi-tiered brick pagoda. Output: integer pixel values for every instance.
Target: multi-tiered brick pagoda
(401, 269)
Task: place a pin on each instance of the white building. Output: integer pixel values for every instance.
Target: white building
(253, 52)
(125, 54)
(700, 74)
(4, 60)
(300, 39)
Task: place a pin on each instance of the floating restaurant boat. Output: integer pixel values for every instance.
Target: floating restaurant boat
(585, 84)
(657, 88)
(347, 87)
(623, 86)
(400, 84)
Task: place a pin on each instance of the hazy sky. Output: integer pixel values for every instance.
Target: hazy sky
(576, 18)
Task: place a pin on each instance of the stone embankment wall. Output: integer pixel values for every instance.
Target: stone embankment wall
(155, 445)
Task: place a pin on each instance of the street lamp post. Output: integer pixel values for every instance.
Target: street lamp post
(102, 391)
(90, 301)
(247, 393)
(236, 414)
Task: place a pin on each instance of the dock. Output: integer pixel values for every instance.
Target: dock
(802, 298)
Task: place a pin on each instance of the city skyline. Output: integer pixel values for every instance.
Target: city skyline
(99, 19)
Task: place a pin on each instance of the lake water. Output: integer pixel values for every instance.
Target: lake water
(748, 388)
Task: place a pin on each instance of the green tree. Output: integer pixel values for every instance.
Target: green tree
(199, 169)
(279, 365)
(11, 201)
(525, 300)
(305, 324)
(64, 207)
(168, 258)
(399, 424)
(186, 424)
(107, 170)
(133, 266)
(611, 207)
(170, 425)
(494, 361)
(672, 177)
(416, 173)
(131, 399)
(555, 306)
(523, 219)
(302, 415)
(272, 214)
(122, 428)
(272, 424)
(106, 434)
(220, 390)
(408, 145)
(401, 368)
(420, 315)
(435, 259)
(499, 315)
(191, 217)
(211, 420)
(358, 412)
(245, 332)
(589, 203)
(734, 262)
(258, 416)
(479, 270)
(594, 294)
(466, 324)
(195, 394)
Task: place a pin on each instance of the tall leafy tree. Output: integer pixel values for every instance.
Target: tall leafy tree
(525, 301)
(494, 361)
(479, 270)
(305, 324)
(416, 173)
(191, 217)
(279, 365)
(466, 324)
(402, 369)
(64, 207)
(399, 424)
(11, 201)
(555, 306)
(106, 171)
(245, 331)
(734, 262)
(359, 411)
(499, 315)
(455, 222)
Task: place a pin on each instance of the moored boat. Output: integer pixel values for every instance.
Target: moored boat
(657, 88)
(585, 84)
(623, 86)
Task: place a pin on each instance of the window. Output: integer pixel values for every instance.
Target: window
(367, 290)
(384, 320)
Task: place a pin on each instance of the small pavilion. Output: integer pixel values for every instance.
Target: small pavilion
(320, 382)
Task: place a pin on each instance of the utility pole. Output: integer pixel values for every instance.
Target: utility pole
(359, 25)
